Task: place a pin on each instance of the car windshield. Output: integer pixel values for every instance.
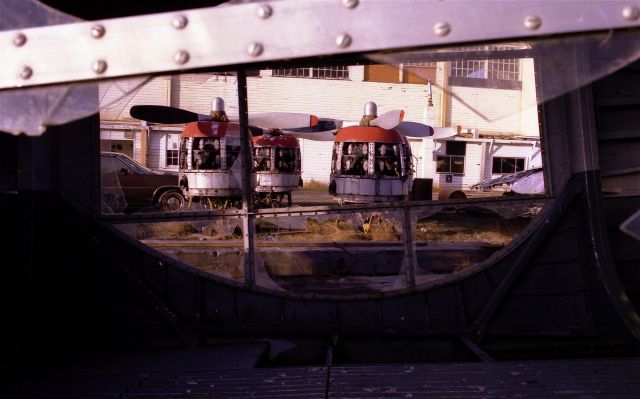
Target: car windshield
(134, 165)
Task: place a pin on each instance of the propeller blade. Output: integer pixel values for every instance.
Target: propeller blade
(323, 124)
(388, 120)
(441, 132)
(324, 130)
(282, 120)
(327, 135)
(415, 129)
(164, 114)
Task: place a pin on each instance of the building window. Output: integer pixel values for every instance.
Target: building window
(494, 73)
(468, 69)
(453, 160)
(333, 72)
(173, 143)
(409, 72)
(172, 157)
(507, 165)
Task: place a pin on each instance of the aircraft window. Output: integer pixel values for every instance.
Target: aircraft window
(418, 202)
(356, 244)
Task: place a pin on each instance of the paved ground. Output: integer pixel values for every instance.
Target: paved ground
(230, 372)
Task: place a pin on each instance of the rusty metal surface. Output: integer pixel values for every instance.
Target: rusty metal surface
(602, 378)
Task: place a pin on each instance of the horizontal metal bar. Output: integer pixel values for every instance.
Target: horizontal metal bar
(260, 32)
(323, 210)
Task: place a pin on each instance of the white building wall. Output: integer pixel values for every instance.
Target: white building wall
(488, 110)
(316, 163)
(472, 167)
(117, 97)
(529, 107)
(419, 159)
(196, 93)
(536, 156)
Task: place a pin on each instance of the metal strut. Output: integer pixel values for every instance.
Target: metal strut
(477, 329)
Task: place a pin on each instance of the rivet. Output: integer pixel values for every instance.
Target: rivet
(255, 49)
(19, 40)
(442, 28)
(630, 13)
(26, 72)
(350, 3)
(181, 57)
(97, 31)
(532, 22)
(264, 11)
(99, 66)
(343, 40)
(180, 22)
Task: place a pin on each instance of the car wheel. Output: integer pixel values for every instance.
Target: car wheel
(171, 201)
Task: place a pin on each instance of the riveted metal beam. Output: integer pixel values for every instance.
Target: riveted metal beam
(250, 33)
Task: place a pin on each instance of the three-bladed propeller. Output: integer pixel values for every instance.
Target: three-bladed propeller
(327, 128)
(393, 120)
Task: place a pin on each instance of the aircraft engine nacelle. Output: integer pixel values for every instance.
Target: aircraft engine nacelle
(370, 164)
(209, 160)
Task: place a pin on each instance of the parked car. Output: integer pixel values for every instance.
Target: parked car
(129, 186)
(530, 181)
